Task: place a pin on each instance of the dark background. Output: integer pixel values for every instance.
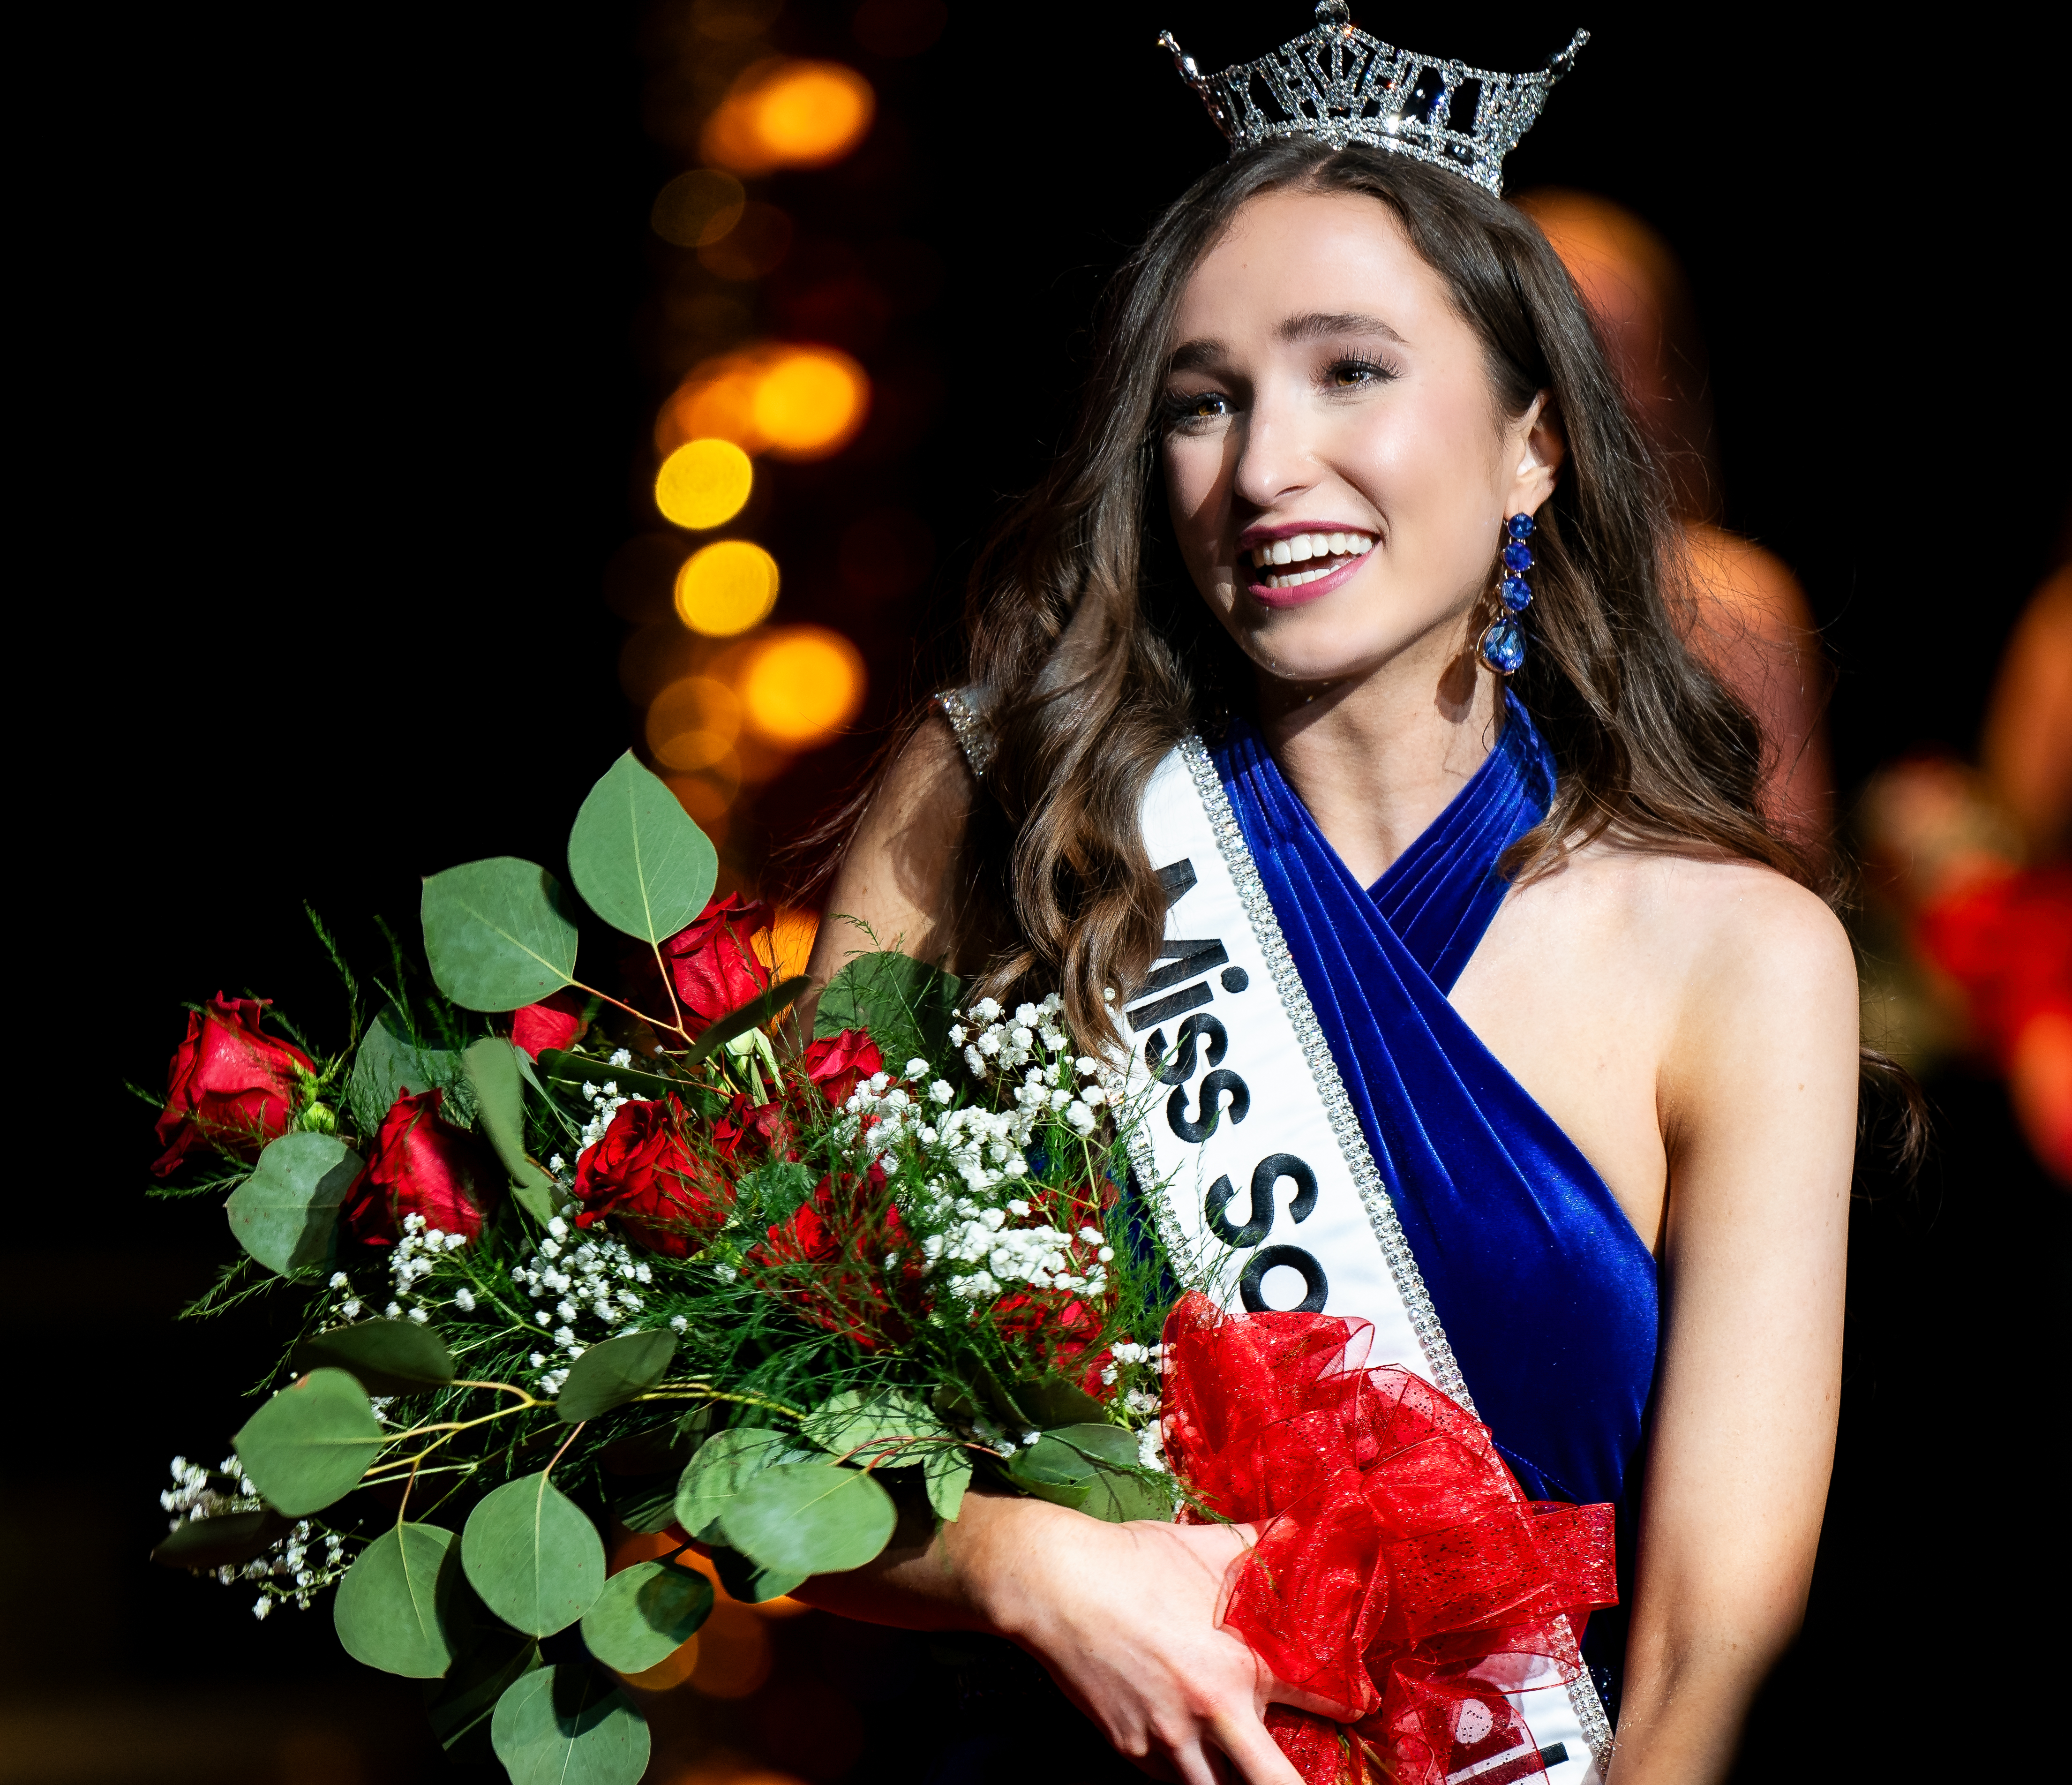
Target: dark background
(343, 354)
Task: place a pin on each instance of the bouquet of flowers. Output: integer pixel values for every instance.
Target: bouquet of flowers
(563, 1258)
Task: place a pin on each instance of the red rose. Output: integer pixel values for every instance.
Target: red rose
(1056, 1329)
(553, 1023)
(829, 1261)
(422, 1164)
(644, 1175)
(837, 1063)
(714, 961)
(231, 1086)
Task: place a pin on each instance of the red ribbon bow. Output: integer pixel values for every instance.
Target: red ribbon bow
(1399, 1571)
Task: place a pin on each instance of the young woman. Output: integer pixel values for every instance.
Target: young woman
(1570, 1051)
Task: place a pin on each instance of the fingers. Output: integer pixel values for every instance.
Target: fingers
(1255, 1756)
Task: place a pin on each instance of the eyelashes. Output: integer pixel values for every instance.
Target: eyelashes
(1188, 411)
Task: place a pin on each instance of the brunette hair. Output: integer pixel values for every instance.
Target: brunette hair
(1095, 654)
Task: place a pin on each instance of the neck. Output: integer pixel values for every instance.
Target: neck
(1377, 757)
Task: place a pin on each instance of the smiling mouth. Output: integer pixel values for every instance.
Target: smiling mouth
(1303, 557)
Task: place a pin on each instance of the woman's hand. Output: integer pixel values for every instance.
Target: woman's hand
(1125, 1617)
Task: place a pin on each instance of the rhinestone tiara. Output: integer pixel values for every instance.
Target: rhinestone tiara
(1339, 85)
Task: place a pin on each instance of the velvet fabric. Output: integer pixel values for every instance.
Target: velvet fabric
(1548, 1295)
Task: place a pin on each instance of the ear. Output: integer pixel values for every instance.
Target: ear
(1540, 445)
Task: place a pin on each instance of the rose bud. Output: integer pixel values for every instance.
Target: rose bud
(844, 1261)
(422, 1164)
(643, 1175)
(231, 1086)
(837, 1063)
(714, 962)
(554, 1021)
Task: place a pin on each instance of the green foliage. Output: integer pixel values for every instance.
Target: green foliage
(751, 1582)
(388, 1357)
(564, 1067)
(809, 1518)
(756, 1013)
(1091, 1467)
(499, 934)
(775, 1189)
(223, 1541)
(645, 1613)
(395, 1609)
(286, 1214)
(491, 1068)
(565, 1726)
(310, 1444)
(948, 1471)
(458, 1707)
(533, 1556)
(907, 1007)
(390, 1064)
(725, 1464)
(636, 857)
(875, 1427)
(614, 1371)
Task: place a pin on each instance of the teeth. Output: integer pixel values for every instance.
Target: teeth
(1300, 548)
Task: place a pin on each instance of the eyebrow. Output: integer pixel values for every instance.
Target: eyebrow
(1197, 356)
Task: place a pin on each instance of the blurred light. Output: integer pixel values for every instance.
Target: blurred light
(697, 207)
(758, 241)
(801, 402)
(790, 114)
(899, 28)
(801, 685)
(811, 402)
(708, 801)
(704, 484)
(672, 1671)
(726, 588)
(734, 1653)
(792, 940)
(692, 723)
(733, 20)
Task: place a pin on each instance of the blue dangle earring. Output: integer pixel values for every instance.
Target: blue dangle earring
(1502, 647)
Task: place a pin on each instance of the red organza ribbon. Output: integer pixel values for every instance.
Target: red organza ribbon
(1399, 1572)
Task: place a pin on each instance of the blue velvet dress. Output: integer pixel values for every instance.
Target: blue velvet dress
(1548, 1295)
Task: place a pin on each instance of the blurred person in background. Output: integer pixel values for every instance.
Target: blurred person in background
(1970, 924)
(1743, 611)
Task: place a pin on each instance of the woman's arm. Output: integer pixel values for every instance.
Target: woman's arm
(1759, 1109)
(1125, 1616)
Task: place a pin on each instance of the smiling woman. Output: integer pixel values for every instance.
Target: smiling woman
(1560, 1053)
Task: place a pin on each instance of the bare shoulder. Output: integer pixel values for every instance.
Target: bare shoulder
(898, 877)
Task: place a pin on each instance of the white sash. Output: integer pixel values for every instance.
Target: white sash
(1264, 1186)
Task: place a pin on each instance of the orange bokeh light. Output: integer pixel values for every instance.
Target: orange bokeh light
(692, 724)
(790, 114)
(798, 402)
(726, 588)
(801, 685)
(704, 483)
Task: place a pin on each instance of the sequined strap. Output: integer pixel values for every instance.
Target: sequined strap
(966, 713)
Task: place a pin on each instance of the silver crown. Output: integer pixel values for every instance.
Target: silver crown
(1339, 85)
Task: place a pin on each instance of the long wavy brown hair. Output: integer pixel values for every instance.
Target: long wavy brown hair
(1095, 654)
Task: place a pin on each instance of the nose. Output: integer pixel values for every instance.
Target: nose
(1276, 458)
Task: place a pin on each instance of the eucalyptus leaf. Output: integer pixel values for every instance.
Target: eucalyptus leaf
(223, 1541)
(748, 1581)
(389, 1357)
(907, 1005)
(309, 1445)
(567, 1726)
(499, 933)
(564, 1066)
(867, 1426)
(533, 1556)
(809, 1518)
(396, 1609)
(1076, 1453)
(637, 857)
(1116, 1498)
(459, 1706)
(725, 1464)
(1049, 1402)
(388, 1065)
(646, 1614)
(613, 1372)
(491, 1067)
(948, 1472)
(286, 1214)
